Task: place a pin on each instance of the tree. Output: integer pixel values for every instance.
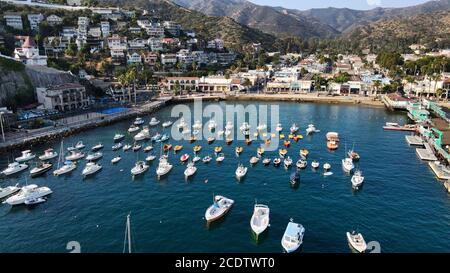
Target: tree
(376, 86)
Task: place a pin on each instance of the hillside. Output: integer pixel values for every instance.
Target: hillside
(423, 28)
(235, 35)
(344, 19)
(264, 18)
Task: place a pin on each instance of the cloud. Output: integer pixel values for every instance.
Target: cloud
(374, 2)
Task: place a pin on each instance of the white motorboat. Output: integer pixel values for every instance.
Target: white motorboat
(28, 192)
(229, 126)
(279, 127)
(190, 170)
(97, 147)
(260, 219)
(78, 146)
(126, 147)
(164, 167)
(315, 164)
(356, 241)
(154, 122)
(326, 166)
(207, 159)
(116, 159)
(136, 147)
(311, 129)
(182, 124)
(357, 179)
(40, 169)
(34, 201)
(67, 167)
(75, 155)
(254, 160)
(287, 162)
(167, 124)
(276, 162)
(8, 191)
(118, 137)
(138, 121)
(293, 237)
(266, 161)
(196, 159)
(143, 134)
(261, 127)
(156, 137)
(91, 168)
(117, 146)
(294, 128)
(197, 125)
(14, 168)
(148, 148)
(163, 138)
(301, 164)
(212, 125)
(26, 156)
(244, 127)
(347, 165)
(150, 158)
(220, 157)
(133, 128)
(241, 171)
(48, 154)
(139, 168)
(219, 208)
(94, 157)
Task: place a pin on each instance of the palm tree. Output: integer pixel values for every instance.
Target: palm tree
(376, 86)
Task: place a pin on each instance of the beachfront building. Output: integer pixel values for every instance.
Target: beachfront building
(179, 84)
(219, 84)
(28, 53)
(64, 97)
(13, 19)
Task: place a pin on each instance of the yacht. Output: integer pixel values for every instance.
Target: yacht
(116, 159)
(294, 179)
(241, 171)
(207, 159)
(220, 157)
(148, 148)
(126, 147)
(293, 237)
(276, 162)
(260, 219)
(279, 127)
(48, 154)
(212, 125)
(67, 167)
(97, 147)
(94, 157)
(254, 160)
(75, 155)
(294, 128)
(182, 124)
(28, 192)
(40, 169)
(150, 158)
(26, 156)
(311, 129)
(164, 167)
(143, 134)
(154, 122)
(261, 127)
(219, 208)
(356, 241)
(139, 168)
(184, 158)
(138, 121)
(14, 167)
(357, 180)
(136, 147)
(167, 124)
(266, 161)
(315, 164)
(8, 191)
(78, 146)
(133, 128)
(287, 162)
(156, 137)
(118, 137)
(347, 165)
(117, 146)
(91, 168)
(190, 170)
(301, 164)
(197, 125)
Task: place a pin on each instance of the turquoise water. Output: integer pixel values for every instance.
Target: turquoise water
(401, 205)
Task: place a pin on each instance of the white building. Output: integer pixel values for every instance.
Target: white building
(29, 53)
(95, 32)
(155, 44)
(216, 44)
(54, 20)
(35, 20)
(117, 42)
(105, 28)
(73, 2)
(168, 59)
(64, 97)
(137, 43)
(134, 58)
(13, 19)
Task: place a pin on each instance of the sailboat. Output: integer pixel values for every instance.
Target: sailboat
(127, 239)
(67, 167)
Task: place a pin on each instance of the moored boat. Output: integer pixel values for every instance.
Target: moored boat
(282, 152)
(91, 168)
(304, 153)
(347, 165)
(14, 168)
(154, 122)
(48, 154)
(184, 158)
(260, 219)
(211, 140)
(167, 124)
(8, 191)
(294, 179)
(287, 162)
(287, 143)
(241, 171)
(97, 147)
(75, 155)
(293, 237)
(28, 192)
(117, 146)
(164, 167)
(116, 159)
(94, 157)
(139, 168)
(26, 156)
(190, 170)
(218, 149)
(301, 164)
(276, 162)
(118, 137)
(207, 159)
(294, 128)
(260, 151)
(357, 180)
(197, 148)
(254, 160)
(133, 128)
(167, 147)
(178, 148)
(266, 161)
(356, 241)
(138, 121)
(315, 164)
(238, 150)
(220, 157)
(219, 208)
(40, 169)
(332, 140)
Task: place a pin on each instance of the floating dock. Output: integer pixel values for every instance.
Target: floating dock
(414, 140)
(426, 154)
(441, 172)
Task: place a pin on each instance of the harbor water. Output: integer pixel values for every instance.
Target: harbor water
(401, 205)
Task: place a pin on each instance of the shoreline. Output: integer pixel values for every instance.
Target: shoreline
(49, 134)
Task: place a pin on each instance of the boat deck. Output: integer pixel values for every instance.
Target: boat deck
(414, 140)
(427, 153)
(439, 171)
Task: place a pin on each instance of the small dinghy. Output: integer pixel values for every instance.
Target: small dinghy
(293, 237)
(241, 171)
(197, 148)
(218, 149)
(32, 201)
(304, 153)
(260, 219)
(167, 147)
(287, 162)
(207, 159)
(150, 158)
(190, 170)
(219, 208)
(315, 164)
(116, 159)
(238, 150)
(220, 157)
(301, 164)
(356, 241)
(148, 148)
(117, 146)
(326, 166)
(254, 160)
(184, 158)
(260, 151)
(178, 148)
(276, 162)
(266, 161)
(196, 159)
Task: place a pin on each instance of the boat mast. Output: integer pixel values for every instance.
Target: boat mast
(60, 153)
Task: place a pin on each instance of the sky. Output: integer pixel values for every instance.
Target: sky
(353, 4)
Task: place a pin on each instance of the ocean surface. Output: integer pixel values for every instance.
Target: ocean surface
(401, 205)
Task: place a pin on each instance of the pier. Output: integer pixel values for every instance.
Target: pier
(440, 171)
(414, 141)
(426, 154)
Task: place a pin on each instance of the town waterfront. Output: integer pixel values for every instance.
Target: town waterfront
(401, 205)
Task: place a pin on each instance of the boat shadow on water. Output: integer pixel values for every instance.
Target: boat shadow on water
(259, 239)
